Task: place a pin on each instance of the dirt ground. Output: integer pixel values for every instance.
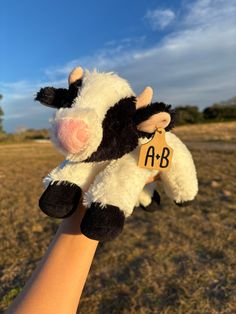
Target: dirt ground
(176, 260)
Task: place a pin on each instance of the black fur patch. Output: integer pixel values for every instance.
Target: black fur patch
(58, 97)
(74, 89)
(102, 224)
(120, 135)
(156, 197)
(60, 200)
(145, 113)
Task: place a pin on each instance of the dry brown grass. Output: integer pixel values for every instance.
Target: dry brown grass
(221, 131)
(176, 260)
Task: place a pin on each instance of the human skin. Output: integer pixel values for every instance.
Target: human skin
(57, 283)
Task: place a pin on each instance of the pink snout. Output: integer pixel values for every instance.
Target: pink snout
(72, 134)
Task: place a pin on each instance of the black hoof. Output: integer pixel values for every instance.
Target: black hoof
(60, 200)
(102, 224)
(154, 206)
(184, 204)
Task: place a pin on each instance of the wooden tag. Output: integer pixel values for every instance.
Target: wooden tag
(156, 154)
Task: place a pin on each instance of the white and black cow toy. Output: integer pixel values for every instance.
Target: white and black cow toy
(99, 126)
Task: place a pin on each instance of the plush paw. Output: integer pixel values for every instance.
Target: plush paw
(60, 199)
(102, 224)
(154, 205)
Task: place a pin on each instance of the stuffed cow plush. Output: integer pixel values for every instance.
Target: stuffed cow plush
(99, 126)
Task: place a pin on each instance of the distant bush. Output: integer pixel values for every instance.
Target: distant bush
(31, 134)
(3, 136)
(1, 117)
(218, 112)
(188, 115)
(24, 136)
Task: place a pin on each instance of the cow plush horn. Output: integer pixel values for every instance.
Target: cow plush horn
(145, 98)
(75, 75)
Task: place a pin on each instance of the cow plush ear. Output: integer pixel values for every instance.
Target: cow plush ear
(157, 120)
(62, 97)
(153, 116)
(150, 116)
(53, 97)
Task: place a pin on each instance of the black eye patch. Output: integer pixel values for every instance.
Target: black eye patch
(119, 131)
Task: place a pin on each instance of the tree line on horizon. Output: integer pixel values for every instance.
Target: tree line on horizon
(1, 116)
(188, 114)
(217, 112)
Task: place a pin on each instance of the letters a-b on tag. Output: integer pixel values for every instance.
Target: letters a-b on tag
(156, 154)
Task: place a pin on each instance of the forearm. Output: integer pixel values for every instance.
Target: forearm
(58, 281)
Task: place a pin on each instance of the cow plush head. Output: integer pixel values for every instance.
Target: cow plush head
(99, 117)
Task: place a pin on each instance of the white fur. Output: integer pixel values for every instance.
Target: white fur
(79, 173)
(100, 91)
(119, 184)
(145, 197)
(180, 183)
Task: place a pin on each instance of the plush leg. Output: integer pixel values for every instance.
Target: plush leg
(60, 199)
(149, 198)
(102, 224)
(180, 183)
(64, 187)
(112, 197)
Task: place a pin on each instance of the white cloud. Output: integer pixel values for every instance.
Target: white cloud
(193, 65)
(114, 53)
(207, 12)
(159, 19)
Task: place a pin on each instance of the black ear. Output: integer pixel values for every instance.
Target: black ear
(53, 97)
(58, 97)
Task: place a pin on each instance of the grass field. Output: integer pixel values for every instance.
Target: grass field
(176, 260)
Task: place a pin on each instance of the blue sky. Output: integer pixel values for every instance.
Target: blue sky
(184, 49)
